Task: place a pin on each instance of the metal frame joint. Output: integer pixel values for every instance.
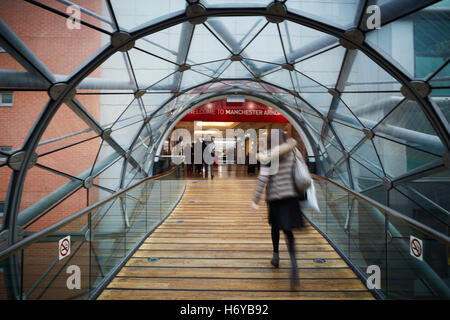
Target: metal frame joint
(276, 12)
(15, 161)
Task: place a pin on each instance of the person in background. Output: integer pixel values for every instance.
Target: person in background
(178, 152)
(209, 155)
(197, 149)
(281, 196)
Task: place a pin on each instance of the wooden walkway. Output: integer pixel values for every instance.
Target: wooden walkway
(213, 246)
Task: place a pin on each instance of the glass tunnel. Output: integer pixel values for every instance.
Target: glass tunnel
(90, 90)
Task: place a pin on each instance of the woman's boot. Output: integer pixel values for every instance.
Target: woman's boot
(294, 271)
(295, 282)
(275, 260)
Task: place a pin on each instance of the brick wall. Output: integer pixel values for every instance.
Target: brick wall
(62, 50)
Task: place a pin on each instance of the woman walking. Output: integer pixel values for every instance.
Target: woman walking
(281, 196)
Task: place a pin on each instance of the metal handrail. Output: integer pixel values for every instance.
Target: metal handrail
(43, 233)
(391, 212)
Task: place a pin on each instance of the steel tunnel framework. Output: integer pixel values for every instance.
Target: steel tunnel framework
(375, 122)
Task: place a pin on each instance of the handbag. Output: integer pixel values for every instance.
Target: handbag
(311, 200)
(302, 178)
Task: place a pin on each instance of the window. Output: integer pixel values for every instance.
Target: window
(6, 99)
(3, 158)
(2, 151)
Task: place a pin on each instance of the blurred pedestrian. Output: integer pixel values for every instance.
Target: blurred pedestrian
(209, 155)
(281, 196)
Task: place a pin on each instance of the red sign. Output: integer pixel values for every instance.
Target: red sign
(248, 111)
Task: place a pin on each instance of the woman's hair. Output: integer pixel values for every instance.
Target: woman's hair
(274, 143)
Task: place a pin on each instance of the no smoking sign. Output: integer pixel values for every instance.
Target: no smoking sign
(64, 247)
(416, 247)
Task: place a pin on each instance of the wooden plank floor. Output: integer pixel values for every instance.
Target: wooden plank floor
(213, 246)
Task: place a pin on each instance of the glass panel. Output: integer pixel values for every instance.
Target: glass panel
(73, 131)
(366, 75)
(342, 13)
(81, 158)
(442, 78)
(340, 174)
(132, 176)
(110, 178)
(134, 13)
(213, 69)
(44, 29)
(192, 78)
(236, 32)
(107, 238)
(124, 136)
(348, 136)
(337, 204)
(408, 124)
(315, 122)
(343, 114)
(441, 97)
(409, 278)
(44, 274)
(370, 108)
(288, 99)
(362, 177)
(236, 70)
(148, 69)
(105, 156)
(37, 211)
(324, 67)
(5, 174)
(132, 114)
(93, 12)
(410, 203)
(297, 37)
(431, 189)
(21, 117)
(280, 78)
(259, 50)
(105, 107)
(305, 84)
(367, 155)
(398, 159)
(140, 152)
(378, 194)
(368, 238)
(218, 87)
(418, 43)
(334, 154)
(152, 101)
(260, 68)
(165, 43)
(100, 12)
(320, 101)
(116, 67)
(366, 229)
(99, 240)
(331, 138)
(246, 3)
(170, 83)
(7, 62)
(205, 47)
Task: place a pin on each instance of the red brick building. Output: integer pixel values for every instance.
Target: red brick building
(61, 50)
